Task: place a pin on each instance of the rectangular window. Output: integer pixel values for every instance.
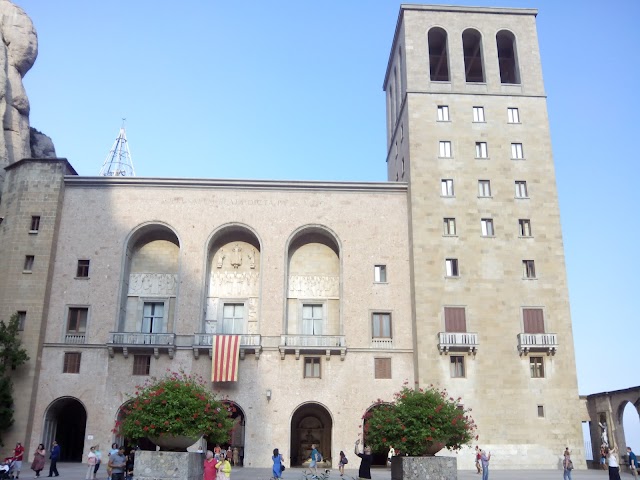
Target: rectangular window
(443, 113)
(541, 411)
(513, 116)
(77, 320)
(141, 364)
(451, 265)
(153, 317)
(481, 150)
(457, 366)
(382, 368)
(35, 224)
(521, 189)
(537, 367)
(82, 270)
(22, 318)
(449, 225)
(484, 188)
(446, 186)
(533, 320)
(445, 149)
(28, 263)
(528, 269)
(312, 319)
(478, 114)
(455, 319)
(71, 362)
(486, 224)
(233, 318)
(524, 224)
(516, 151)
(312, 367)
(381, 325)
(380, 273)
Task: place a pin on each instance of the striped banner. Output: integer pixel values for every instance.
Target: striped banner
(226, 351)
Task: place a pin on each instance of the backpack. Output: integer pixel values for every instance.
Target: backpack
(318, 457)
(345, 461)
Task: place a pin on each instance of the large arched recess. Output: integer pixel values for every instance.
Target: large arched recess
(237, 439)
(311, 423)
(65, 421)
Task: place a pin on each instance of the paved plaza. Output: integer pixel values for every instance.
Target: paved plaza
(76, 471)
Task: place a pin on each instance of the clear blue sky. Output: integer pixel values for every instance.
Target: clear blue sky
(293, 90)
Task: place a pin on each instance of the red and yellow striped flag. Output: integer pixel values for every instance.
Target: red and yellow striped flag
(226, 351)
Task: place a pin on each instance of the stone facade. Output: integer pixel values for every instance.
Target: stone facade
(340, 291)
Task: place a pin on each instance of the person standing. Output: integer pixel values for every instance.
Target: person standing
(38, 460)
(236, 456)
(224, 468)
(98, 460)
(314, 459)
(117, 463)
(342, 462)
(54, 456)
(91, 464)
(603, 457)
(390, 455)
(478, 460)
(277, 463)
(567, 464)
(18, 454)
(614, 466)
(366, 459)
(210, 464)
(484, 460)
(633, 462)
(113, 451)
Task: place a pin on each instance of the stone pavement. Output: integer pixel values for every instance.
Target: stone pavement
(76, 471)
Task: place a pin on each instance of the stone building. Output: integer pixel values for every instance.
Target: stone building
(458, 280)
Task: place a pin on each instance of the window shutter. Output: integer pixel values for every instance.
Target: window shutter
(533, 320)
(455, 319)
(382, 367)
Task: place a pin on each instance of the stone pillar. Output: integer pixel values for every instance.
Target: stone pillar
(168, 465)
(420, 468)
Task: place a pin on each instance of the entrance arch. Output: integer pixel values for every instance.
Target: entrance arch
(66, 421)
(236, 439)
(379, 456)
(311, 424)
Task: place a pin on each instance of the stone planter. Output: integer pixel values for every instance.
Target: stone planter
(174, 443)
(168, 465)
(421, 468)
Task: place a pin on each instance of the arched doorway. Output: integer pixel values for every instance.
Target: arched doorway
(379, 456)
(311, 424)
(65, 421)
(237, 431)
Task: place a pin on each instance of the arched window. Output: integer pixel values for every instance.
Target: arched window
(472, 48)
(507, 57)
(438, 55)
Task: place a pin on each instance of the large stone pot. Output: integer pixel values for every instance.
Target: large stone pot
(432, 449)
(419, 468)
(168, 466)
(174, 443)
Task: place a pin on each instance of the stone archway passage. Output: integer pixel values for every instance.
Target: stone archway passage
(311, 424)
(236, 442)
(65, 422)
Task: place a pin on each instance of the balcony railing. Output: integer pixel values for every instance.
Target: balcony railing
(74, 338)
(457, 341)
(138, 340)
(537, 342)
(383, 343)
(248, 343)
(329, 344)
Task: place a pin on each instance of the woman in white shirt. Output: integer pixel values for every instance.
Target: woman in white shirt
(614, 466)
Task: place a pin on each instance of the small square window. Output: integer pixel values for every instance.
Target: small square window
(516, 151)
(446, 186)
(381, 325)
(513, 116)
(457, 366)
(478, 114)
(541, 411)
(481, 150)
(451, 265)
(524, 225)
(528, 269)
(536, 365)
(83, 269)
(141, 364)
(35, 224)
(77, 320)
(443, 113)
(28, 263)
(312, 367)
(380, 273)
(449, 225)
(22, 318)
(521, 189)
(71, 362)
(484, 188)
(445, 149)
(382, 367)
(486, 225)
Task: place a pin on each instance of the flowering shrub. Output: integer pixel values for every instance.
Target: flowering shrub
(178, 404)
(417, 422)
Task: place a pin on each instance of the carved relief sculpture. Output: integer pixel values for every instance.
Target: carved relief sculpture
(236, 256)
(221, 257)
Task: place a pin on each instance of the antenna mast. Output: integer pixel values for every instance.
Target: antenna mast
(118, 163)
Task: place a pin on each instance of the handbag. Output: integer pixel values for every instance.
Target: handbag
(282, 468)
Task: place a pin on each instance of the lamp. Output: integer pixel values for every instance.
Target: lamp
(268, 394)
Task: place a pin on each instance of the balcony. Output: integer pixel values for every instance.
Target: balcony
(537, 342)
(141, 341)
(457, 342)
(382, 343)
(327, 344)
(74, 338)
(248, 343)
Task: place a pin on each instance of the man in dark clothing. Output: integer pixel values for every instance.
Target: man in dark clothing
(54, 457)
(366, 461)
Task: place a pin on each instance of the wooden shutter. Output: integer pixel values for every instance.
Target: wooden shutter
(533, 320)
(455, 319)
(71, 362)
(382, 367)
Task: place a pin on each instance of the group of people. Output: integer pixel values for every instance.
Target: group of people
(609, 460)
(39, 459)
(217, 464)
(482, 462)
